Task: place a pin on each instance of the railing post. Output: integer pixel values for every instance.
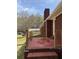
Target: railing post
(25, 54)
(27, 37)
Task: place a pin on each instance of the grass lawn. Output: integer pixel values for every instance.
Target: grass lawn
(20, 46)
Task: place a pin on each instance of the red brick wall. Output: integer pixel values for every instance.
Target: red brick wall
(46, 13)
(43, 28)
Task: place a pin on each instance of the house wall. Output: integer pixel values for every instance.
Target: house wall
(58, 30)
(52, 17)
(49, 28)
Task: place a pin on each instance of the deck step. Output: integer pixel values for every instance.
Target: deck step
(42, 55)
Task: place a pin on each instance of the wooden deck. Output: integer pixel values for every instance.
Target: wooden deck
(40, 48)
(42, 42)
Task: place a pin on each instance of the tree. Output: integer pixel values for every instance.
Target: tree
(32, 21)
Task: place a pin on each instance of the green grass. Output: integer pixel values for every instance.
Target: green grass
(20, 46)
(20, 53)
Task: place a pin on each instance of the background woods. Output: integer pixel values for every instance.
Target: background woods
(25, 20)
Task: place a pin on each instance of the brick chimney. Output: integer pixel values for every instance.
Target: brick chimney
(46, 13)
